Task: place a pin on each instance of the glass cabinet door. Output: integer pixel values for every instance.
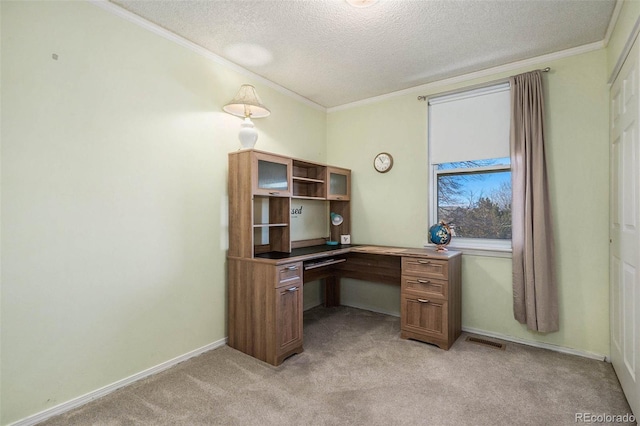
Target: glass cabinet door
(272, 175)
(339, 187)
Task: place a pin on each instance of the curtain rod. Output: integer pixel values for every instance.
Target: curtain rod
(424, 97)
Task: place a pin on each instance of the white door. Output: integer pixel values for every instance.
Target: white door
(625, 229)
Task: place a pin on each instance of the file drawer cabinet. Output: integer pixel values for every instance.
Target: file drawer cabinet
(265, 309)
(430, 309)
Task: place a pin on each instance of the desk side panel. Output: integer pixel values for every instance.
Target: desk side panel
(455, 298)
(240, 206)
(252, 308)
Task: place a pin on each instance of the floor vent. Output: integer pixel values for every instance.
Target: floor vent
(486, 342)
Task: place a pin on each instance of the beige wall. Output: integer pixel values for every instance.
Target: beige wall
(391, 208)
(114, 171)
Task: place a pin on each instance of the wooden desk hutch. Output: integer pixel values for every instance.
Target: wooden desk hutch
(265, 278)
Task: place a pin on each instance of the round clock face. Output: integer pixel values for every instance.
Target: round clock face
(383, 162)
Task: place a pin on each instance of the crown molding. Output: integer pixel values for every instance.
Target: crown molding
(156, 29)
(163, 32)
(612, 22)
(536, 61)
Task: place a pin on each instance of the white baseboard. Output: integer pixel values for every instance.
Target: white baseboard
(81, 400)
(542, 345)
(363, 307)
(306, 308)
(372, 309)
(549, 346)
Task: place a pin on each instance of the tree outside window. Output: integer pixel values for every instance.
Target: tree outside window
(474, 198)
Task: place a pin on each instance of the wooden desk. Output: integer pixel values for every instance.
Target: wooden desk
(265, 293)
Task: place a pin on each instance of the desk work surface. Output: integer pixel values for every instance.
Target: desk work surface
(266, 303)
(412, 252)
(313, 252)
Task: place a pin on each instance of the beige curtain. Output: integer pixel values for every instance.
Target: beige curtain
(535, 300)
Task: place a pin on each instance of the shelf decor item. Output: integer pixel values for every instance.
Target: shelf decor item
(247, 104)
(440, 235)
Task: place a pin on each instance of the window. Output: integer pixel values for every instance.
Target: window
(470, 166)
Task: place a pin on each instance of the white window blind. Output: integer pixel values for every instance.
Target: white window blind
(472, 125)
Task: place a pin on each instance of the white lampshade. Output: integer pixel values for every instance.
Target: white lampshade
(247, 103)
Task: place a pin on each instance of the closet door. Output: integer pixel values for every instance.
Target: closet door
(625, 229)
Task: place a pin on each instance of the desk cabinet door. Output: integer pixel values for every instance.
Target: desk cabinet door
(424, 316)
(271, 175)
(288, 316)
(338, 184)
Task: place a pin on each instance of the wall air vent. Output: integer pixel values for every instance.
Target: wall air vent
(486, 342)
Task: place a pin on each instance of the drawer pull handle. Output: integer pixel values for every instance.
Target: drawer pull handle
(424, 262)
(338, 198)
(292, 289)
(423, 300)
(290, 268)
(274, 193)
(424, 281)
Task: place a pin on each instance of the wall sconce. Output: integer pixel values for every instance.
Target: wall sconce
(247, 104)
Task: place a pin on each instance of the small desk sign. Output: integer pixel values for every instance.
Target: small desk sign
(345, 239)
(295, 211)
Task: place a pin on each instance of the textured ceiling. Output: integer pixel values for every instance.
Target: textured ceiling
(333, 53)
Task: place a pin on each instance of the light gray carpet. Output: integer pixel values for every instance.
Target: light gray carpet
(357, 371)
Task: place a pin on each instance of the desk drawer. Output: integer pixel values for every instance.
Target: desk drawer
(424, 267)
(288, 274)
(428, 287)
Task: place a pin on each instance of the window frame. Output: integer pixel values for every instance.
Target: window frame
(473, 246)
(483, 246)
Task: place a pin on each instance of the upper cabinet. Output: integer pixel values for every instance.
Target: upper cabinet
(271, 175)
(261, 186)
(338, 184)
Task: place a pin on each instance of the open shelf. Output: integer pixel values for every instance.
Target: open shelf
(302, 197)
(271, 227)
(308, 180)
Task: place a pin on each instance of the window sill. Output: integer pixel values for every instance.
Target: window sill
(479, 250)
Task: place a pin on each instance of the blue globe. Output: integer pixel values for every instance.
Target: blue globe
(440, 234)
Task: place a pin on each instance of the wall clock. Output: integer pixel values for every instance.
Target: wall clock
(383, 162)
